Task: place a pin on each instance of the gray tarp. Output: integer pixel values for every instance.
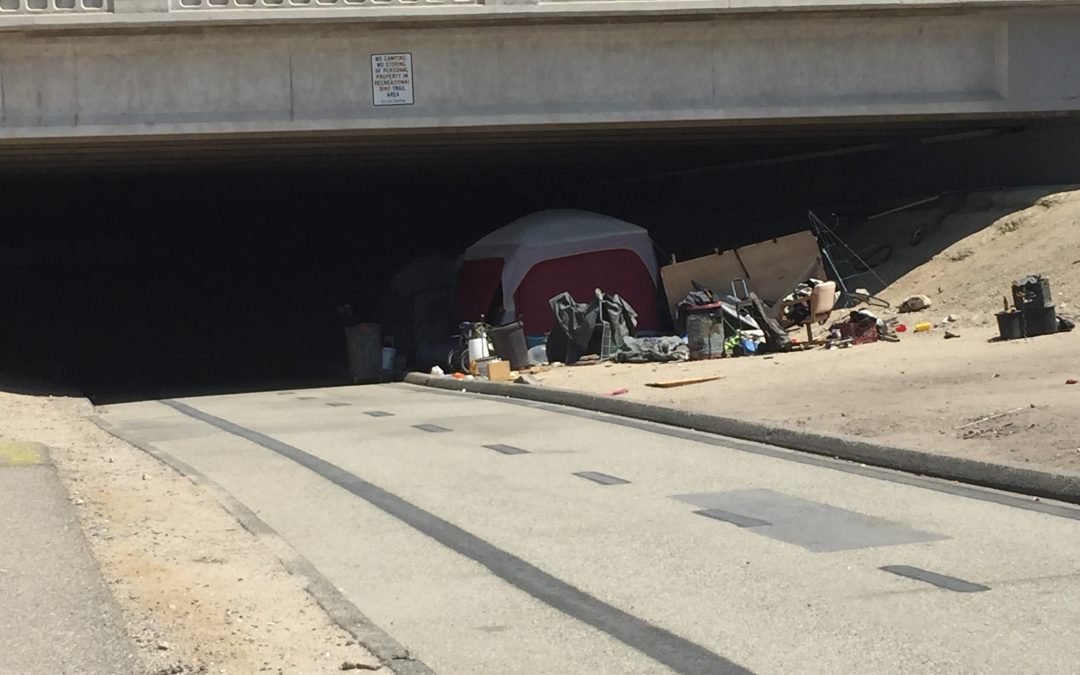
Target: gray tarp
(652, 350)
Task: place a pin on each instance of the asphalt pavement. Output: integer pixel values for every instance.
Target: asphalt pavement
(56, 613)
(494, 536)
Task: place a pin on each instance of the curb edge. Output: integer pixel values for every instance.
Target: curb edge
(1063, 487)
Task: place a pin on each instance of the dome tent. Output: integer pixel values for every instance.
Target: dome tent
(514, 271)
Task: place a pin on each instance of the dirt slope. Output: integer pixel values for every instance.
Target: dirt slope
(969, 276)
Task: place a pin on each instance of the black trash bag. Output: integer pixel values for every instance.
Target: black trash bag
(579, 327)
(619, 315)
(798, 312)
(573, 329)
(1064, 325)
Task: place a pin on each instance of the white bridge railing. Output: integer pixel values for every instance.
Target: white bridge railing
(297, 4)
(52, 6)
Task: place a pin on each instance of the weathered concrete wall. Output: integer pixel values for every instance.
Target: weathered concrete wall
(303, 77)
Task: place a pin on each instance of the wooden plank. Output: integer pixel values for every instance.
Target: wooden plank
(667, 384)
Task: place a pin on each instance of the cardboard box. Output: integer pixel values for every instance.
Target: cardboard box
(499, 371)
(771, 268)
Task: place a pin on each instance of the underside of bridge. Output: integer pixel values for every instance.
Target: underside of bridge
(153, 266)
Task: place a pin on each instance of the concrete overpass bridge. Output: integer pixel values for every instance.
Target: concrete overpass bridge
(202, 69)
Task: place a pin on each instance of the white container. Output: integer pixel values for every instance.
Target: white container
(388, 354)
(478, 349)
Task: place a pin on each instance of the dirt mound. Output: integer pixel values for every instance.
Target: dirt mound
(967, 259)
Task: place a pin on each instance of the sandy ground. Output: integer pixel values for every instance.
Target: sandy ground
(199, 593)
(924, 392)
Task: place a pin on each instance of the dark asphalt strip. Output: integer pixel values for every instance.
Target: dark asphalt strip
(933, 578)
(678, 654)
(506, 449)
(601, 478)
(735, 519)
(431, 428)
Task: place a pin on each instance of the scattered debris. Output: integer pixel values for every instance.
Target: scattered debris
(356, 665)
(950, 334)
(1070, 381)
(916, 303)
(1006, 429)
(860, 327)
(617, 392)
(980, 429)
(525, 378)
(992, 417)
(667, 384)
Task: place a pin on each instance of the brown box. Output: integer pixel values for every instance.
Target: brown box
(499, 371)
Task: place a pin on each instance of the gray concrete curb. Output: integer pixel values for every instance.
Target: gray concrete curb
(390, 653)
(1062, 487)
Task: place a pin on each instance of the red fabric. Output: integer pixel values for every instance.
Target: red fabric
(618, 271)
(478, 281)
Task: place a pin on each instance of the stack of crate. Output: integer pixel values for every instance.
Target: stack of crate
(1031, 297)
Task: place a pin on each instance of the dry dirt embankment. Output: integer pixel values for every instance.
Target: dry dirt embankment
(924, 392)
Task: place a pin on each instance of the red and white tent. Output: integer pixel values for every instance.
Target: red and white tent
(514, 271)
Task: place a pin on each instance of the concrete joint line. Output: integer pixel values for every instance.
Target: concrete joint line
(390, 653)
(819, 449)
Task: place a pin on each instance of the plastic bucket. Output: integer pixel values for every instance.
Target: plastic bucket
(1010, 325)
(1039, 320)
(509, 343)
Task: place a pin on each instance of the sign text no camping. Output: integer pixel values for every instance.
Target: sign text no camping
(391, 79)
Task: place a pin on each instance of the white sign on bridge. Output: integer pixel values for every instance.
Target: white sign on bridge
(391, 79)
